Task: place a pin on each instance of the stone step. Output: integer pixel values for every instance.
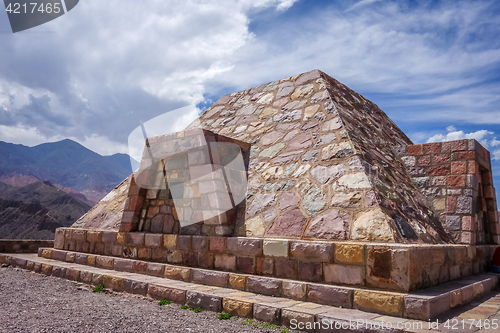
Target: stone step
(304, 315)
(422, 305)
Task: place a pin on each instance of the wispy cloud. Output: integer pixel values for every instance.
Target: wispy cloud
(360, 4)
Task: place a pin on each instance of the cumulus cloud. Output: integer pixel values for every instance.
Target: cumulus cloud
(482, 136)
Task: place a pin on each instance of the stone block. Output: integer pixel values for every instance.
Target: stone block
(91, 259)
(86, 277)
(237, 281)
(294, 290)
(340, 274)
(184, 242)
(299, 320)
(205, 260)
(46, 269)
(456, 181)
(225, 262)
(135, 287)
(79, 235)
(97, 279)
(170, 241)
(245, 265)
(267, 313)
(203, 300)
(415, 150)
(190, 259)
(144, 253)
(286, 268)
(264, 266)
(72, 274)
(455, 298)
(113, 282)
(59, 239)
(59, 255)
(349, 253)
(174, 257)
(200, 243)
(275, 247)
(310, 271)
(244, 246)
(425, 307)
(177, 272)
(58, 271)
(134, 238)
(311, 251)
(104, 262)
(170, 293)
(94, 236)
(211, 278)
(153, 240)
(47, 253)
(19, 262)
(124, 265)
(265, 286)
(155, 269)
(380, 302)
(331, 295)
(238, 306)
(70, 257)
(218, 244)
(108, 236)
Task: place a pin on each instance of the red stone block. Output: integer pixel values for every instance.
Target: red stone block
(135, 287)
(211, 278)
(424, 161)
(153, 240)
(170, 293)
(72, 274)
(286, 268)
(245, 265)
(133, 238)
(441, 159)
(135, 203)
(456, 181)
(459, 145)
(468, 223)
(310, 271)
(190, 259)
(108, 236)
(218, 244)
(467, 155)
(489, 192)
(244, 246)
(264, 266)
(446, 147)
(493, 217)
(473, 168)
(459, 167)
(140, 266)
(155, 269)
(331, 295)
(468, 238)
(451, 204)
(144, 253)
(205, 260)
(415, 150)
(124, 265)
(265, 286)
(443, 170)
(200, 243)
(432, 148)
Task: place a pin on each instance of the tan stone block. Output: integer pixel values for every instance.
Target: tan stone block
(91, 260)
(46, 269)
(439, 204)
(70, 257)
(47, 253)
(276, 247)
(177, 273)
(378, 301)
(113, 282)
(120, 237)
(455, 298)
(237, 281)
(238, 306)
(170, 241)
(352, 253)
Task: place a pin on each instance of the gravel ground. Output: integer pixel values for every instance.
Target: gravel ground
(31, 302)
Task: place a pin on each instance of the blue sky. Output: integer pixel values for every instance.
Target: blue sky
(95, 73)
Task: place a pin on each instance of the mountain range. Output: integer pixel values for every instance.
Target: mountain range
(51, 185)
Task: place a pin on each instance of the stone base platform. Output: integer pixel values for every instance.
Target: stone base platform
(423, 305)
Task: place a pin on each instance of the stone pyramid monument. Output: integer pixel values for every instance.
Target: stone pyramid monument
(301, 179)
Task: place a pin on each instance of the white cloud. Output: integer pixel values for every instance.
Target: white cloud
(496, 155)
(494, 142)
(480, 136)
(360, 4)
(451, 128)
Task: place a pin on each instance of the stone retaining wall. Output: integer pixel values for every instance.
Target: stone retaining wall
(23, 246)
(397, 267)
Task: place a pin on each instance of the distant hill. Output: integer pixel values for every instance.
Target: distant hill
(65, 163)
(36, 210)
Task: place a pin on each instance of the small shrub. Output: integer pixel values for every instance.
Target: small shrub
(224, 316)
(98, 289)
(164, 302)
(246, 322)
(270, 326)
(184, 307)
(285, 330)
(198, 310)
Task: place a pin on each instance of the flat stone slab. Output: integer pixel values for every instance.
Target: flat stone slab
(303, 315)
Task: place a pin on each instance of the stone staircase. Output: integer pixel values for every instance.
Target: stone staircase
(274, 300)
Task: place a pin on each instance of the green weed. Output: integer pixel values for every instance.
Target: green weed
(184, 307)
(224, 316)
(98, 289)
(164, 302)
